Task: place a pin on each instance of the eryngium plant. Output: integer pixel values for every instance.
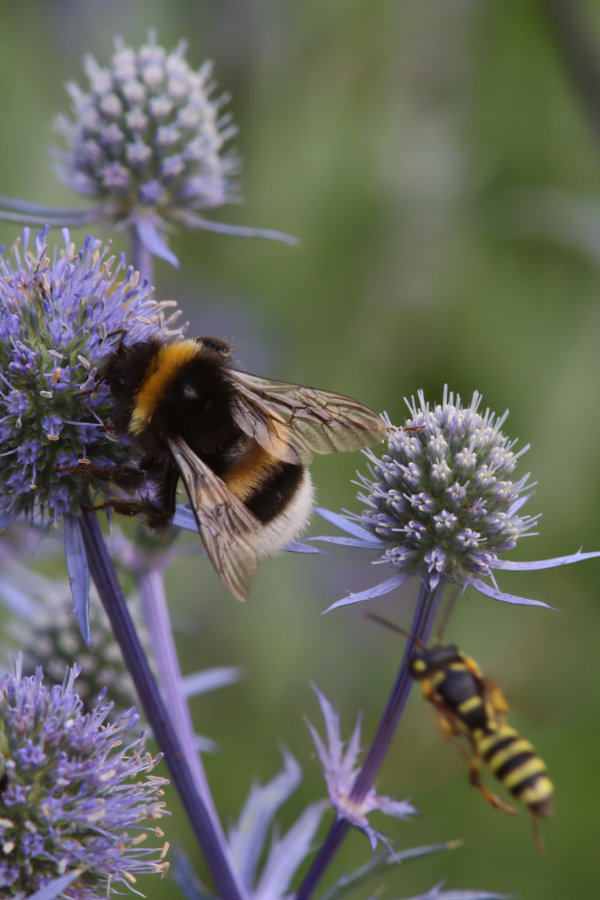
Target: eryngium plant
(61, 313)
(443, 504)
(76, 794)
(146, 138)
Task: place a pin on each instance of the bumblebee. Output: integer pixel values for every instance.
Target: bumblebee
(468, 705)
(239, 443)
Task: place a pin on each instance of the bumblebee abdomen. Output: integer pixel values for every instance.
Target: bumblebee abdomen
(266, 485)
(289, 504)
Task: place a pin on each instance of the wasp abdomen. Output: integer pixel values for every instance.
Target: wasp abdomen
(514, 762)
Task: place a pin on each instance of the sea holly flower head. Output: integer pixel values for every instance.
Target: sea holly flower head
(444, 502)
(62, 312)
(76, 793)
(340, 769)
(446, 489)
(44, 625)
(146, 138)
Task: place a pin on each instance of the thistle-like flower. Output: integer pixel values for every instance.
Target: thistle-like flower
(60, 315)
(72, 797)
(44, 626)
(443, 503)
(146, 139)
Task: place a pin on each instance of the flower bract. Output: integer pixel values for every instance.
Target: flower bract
(340, 769)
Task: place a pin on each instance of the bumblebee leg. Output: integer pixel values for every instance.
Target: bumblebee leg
(493, 799)
(154, 515)
(126, 477)
(167, 490)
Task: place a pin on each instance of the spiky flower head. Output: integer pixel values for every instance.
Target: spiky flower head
(146, 138)
(43, 624)
(61, 314)
(443, 498)
(74, 794)
(443, 503)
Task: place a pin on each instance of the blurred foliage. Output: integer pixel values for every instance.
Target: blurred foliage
(437, 164)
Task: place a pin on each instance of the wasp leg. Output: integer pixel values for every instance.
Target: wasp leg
(493, 799)
(498, 700)
(447, 730)
(536, 832)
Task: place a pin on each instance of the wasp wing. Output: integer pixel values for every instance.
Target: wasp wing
(228, 529)
(293, 422)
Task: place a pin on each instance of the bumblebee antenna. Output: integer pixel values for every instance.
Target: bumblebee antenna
(388, 624)
(121, 333)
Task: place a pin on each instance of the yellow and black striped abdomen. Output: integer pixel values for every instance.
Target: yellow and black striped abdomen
(514, 762)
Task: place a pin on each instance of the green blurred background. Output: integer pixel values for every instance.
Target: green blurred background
(439, 168)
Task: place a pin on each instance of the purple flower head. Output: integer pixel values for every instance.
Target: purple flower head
(61, 313)
(146, 138)
(72, 794)
(443, 503)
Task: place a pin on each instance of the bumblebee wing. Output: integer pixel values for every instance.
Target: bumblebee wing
(228, 529)
(293, 422)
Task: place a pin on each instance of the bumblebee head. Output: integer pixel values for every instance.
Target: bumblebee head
(124, 370)
(217, 345)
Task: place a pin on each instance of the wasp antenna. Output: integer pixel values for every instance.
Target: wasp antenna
(388, 624)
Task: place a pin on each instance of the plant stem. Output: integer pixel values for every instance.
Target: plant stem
(112, 598)
(152, 592)
(140, 256)
(427, 605)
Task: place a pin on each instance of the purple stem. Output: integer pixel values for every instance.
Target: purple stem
(140, 256)
(422, 626)
(112, 598)
(152, 592)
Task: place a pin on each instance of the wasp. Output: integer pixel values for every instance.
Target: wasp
(470, 706)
